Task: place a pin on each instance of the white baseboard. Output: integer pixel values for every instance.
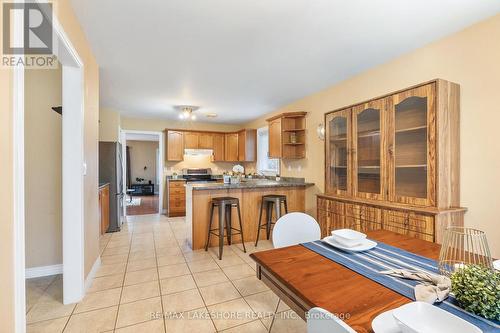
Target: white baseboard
(93, 271)
(41, 271)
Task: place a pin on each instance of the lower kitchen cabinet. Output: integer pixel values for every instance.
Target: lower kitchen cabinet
(176, 194)
(104, 208)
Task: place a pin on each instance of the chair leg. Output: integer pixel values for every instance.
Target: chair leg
(260, 221)
(277, 207)
(269, 219)
(222, 209)
(228, 223)
(241, 228)
(210, 226)
(286, 206)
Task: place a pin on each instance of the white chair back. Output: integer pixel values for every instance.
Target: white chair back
(295, 228)
(322, 321)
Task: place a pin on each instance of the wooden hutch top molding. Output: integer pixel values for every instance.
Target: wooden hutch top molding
(288, 115)
(388, 95)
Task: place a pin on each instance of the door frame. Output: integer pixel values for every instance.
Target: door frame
(74, 170)
(161, 142)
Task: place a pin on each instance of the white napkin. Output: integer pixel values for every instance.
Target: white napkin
(435, 288)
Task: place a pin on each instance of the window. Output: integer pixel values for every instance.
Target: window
(265, 165)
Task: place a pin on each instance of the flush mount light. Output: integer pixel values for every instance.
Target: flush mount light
(187, 112)
(211, 115)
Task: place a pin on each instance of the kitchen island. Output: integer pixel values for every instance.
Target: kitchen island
(249, 192)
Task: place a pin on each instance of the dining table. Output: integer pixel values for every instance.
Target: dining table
(304, 279)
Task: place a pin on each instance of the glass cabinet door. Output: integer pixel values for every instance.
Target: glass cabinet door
(410, 149)
(338, 146)
(368, 165)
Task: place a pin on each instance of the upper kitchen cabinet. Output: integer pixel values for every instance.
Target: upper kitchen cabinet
(206, 140)
(247, 145)
(191, 140)
(287, 135)
(231, 147)
(175, 145)
(218, 147)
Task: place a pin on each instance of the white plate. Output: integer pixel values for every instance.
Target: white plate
(426, 318)
(367, 244)
(496, 265)
(385, 323)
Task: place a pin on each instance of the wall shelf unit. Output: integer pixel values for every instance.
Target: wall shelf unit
(287, 135)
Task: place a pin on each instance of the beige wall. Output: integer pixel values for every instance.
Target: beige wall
(161, 124)
(470, 58)
(43, 167)
(143, 154)
(109, 125)
(73, 30)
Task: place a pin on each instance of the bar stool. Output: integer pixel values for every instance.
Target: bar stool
(270, 201)
(224, 205)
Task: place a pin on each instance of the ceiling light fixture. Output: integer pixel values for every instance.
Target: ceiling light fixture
(186, 112)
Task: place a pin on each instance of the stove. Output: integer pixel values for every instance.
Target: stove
(198, 175)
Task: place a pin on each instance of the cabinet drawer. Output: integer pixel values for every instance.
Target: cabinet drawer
(176, 184)
(411, 224)
(177, 203)
(177, 191)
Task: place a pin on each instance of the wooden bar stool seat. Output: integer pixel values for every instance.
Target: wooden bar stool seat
(270, 201)
(224, 206)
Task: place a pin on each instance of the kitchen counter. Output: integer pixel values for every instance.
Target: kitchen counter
(249, 184)
(249, 192)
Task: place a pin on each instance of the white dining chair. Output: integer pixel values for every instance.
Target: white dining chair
(320, 320)
(295, 228)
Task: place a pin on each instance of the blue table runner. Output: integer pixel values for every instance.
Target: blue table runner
(384, 257)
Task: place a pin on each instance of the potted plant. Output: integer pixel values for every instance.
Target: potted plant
(238, 170)
(175, 175)
(477, 290)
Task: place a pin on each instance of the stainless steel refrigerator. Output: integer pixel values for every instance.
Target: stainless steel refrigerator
(111, 171)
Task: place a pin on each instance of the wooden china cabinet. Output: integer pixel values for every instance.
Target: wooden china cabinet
(393, 163)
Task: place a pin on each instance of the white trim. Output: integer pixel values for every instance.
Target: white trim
(42, 271)
(161, 147)
(72, 228)
(92, 273)
(18, 191)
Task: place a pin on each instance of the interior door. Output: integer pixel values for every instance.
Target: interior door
(412, 142)
(338, 152)
(369, 146)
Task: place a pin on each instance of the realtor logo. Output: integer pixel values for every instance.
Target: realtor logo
(34, 45)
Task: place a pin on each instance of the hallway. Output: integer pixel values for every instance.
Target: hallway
(148, 269)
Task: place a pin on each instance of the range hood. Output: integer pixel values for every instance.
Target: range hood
(198, 152)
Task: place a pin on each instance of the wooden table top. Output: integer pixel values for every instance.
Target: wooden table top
(318, 281)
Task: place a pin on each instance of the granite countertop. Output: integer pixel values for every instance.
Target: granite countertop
(101, 185)
(254, 183)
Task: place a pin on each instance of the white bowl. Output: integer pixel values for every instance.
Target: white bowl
(421, 317)
(348, 237)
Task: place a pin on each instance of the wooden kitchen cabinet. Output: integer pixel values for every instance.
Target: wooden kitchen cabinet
(231, 147)
(206, 141)
(287, 135)
(175, 145)
(394, 162)
(247, 145)
(218, 147)
(104, 208)
(191, 140)
(176, 193)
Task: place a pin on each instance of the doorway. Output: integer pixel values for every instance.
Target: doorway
(143, 172)
(73, 172)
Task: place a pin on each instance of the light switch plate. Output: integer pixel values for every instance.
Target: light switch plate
(84, 168)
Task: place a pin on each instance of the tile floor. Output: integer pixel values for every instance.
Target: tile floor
(150, 281)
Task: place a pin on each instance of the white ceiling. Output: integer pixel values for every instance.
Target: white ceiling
(244, 58)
